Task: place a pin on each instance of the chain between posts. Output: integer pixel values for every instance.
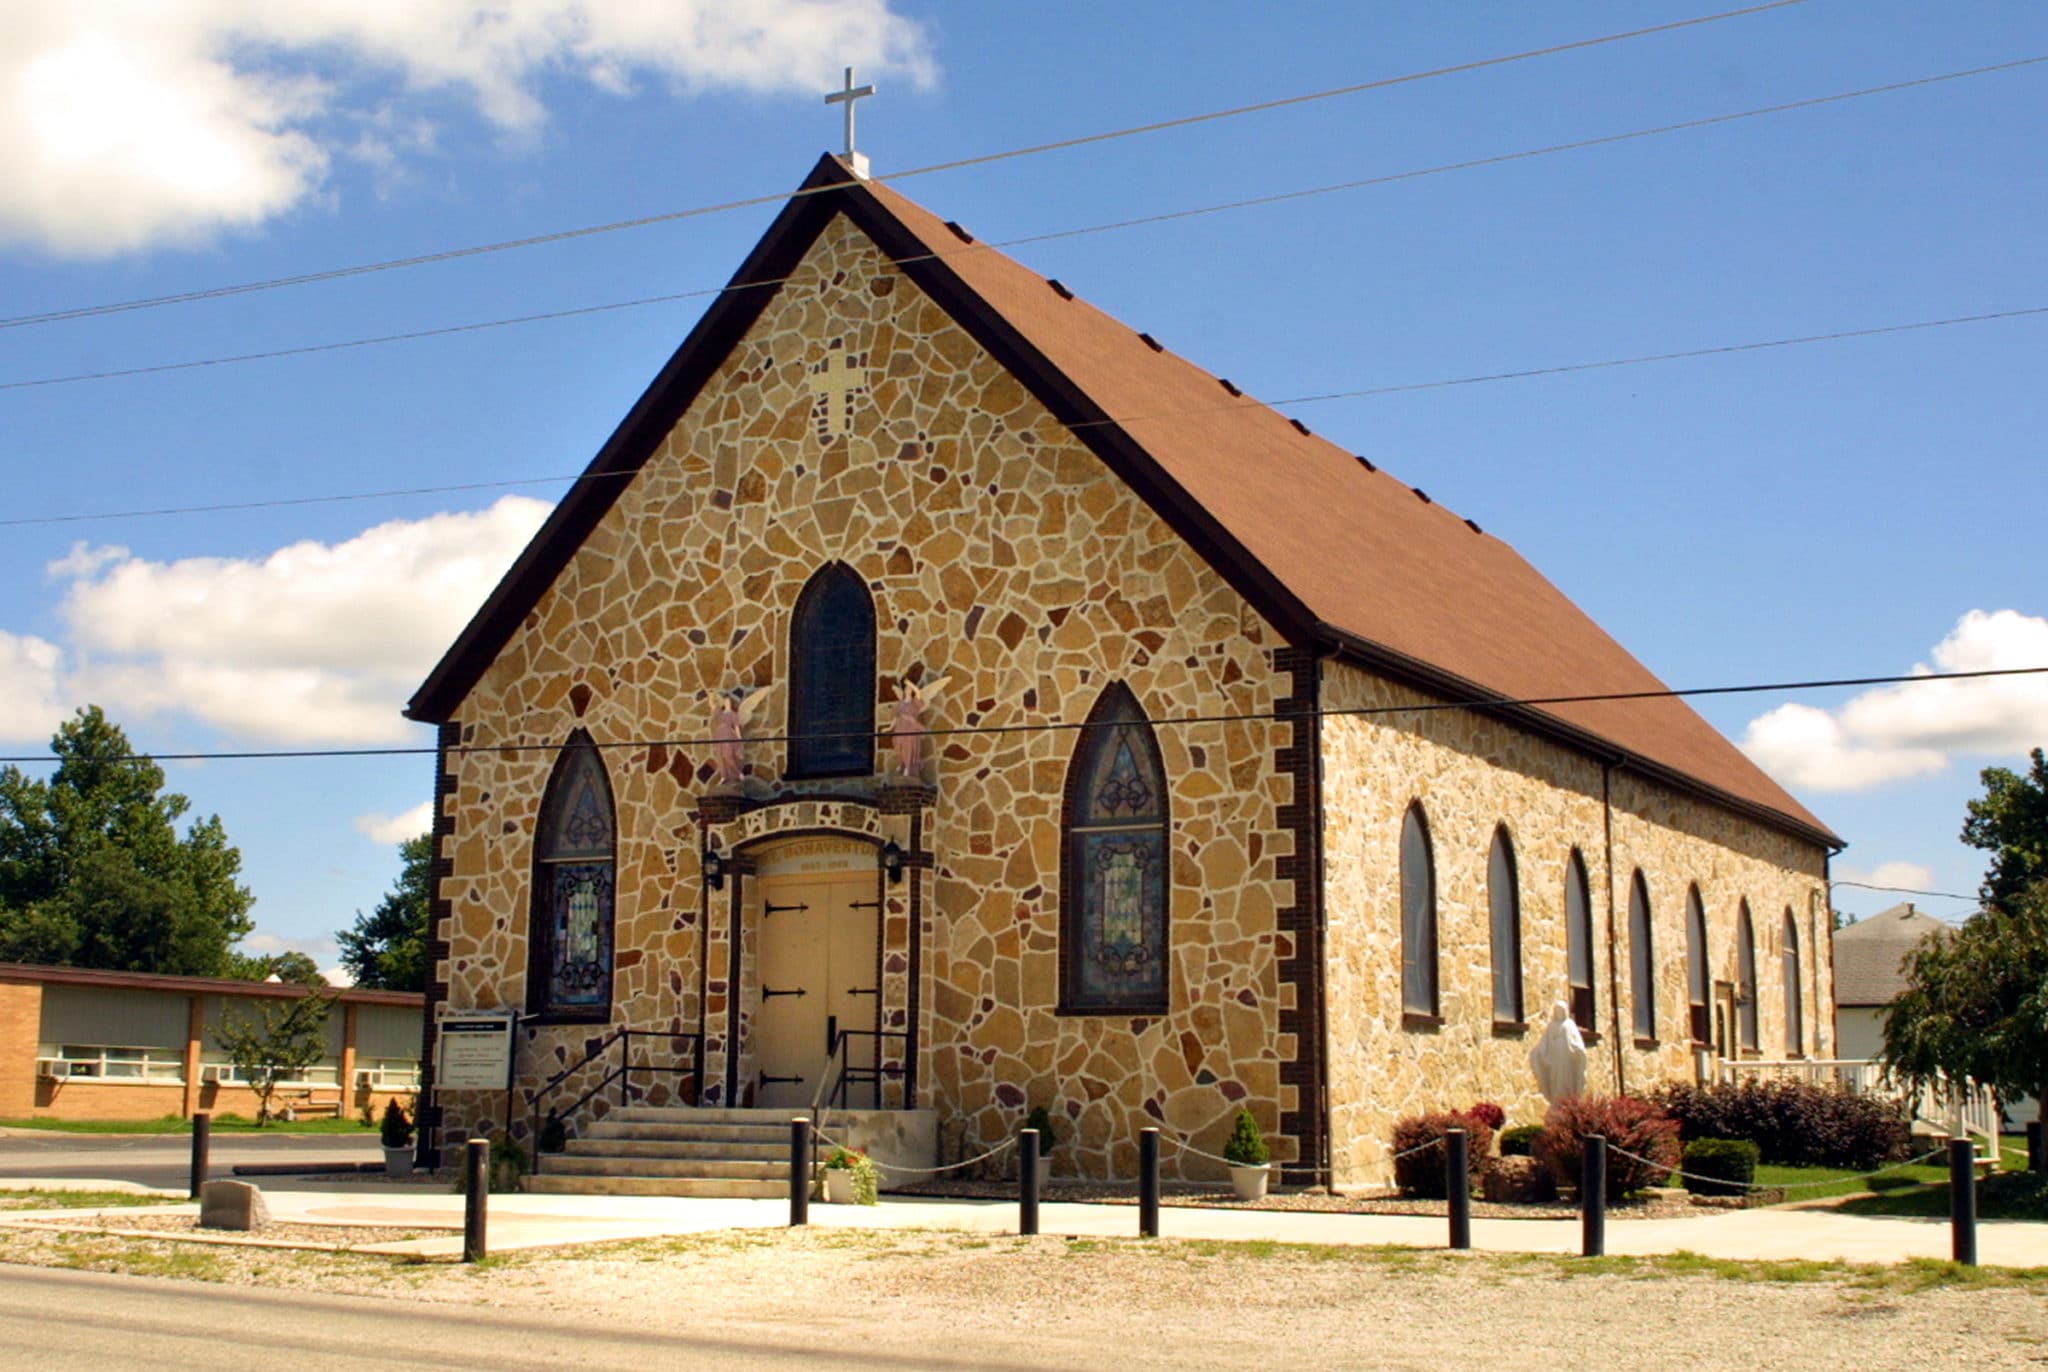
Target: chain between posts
(1788, 1186)
(1006, 1144)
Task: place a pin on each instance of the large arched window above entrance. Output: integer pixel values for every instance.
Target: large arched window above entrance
(1745, 980)
(1698, 986)
(1418, 916)
(1795, 1031)
(1578, 943)
(569, 970)
(1504, 908)
(1114, 868)
(832, 677)
(1642, 960)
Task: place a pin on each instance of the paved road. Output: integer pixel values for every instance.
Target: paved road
(90, 1321)
(165, 1159)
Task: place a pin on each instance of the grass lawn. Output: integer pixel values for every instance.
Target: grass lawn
(175, 1124)
(1918, 1190)
(74, 1200)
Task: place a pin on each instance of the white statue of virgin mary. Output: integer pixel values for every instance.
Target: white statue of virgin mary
(1559, 1057)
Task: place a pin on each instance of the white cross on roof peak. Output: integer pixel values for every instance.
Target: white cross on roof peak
(847, 95)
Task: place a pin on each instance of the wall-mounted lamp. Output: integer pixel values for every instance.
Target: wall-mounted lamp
(892, 861)
(714, 870)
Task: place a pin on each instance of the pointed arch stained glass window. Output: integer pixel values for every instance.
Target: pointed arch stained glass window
(570, 968)
(832, 676)
(1115, 868)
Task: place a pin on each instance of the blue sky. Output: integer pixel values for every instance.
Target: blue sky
(1851, 508)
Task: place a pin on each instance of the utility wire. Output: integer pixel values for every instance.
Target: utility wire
(1278, 198)
(1904, 891)
(1070, 726)
(1523, 374)
(565, 235)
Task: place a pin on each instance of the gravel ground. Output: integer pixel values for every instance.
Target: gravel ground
(964, 1300)
(1658, 1205)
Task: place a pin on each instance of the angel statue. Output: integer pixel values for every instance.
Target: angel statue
(728, 730)
(907, 731)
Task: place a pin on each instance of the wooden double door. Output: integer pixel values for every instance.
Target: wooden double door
(819, 968)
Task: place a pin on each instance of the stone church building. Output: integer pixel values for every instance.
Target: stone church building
(1233, 791)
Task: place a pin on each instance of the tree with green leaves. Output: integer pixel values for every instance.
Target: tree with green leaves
(286, 1038)
(292, 967)
(2011, 822)
(387, 949)
(1976, 1003)
(93, 870)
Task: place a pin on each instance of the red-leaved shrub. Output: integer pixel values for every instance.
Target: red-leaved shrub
(1634, 1129)
(1491, 1115)
(1421, 1173)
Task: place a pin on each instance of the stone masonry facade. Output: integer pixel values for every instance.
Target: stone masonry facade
(1473, 773)
(857, 423)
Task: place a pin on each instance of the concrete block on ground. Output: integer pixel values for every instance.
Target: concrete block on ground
(232, 1205)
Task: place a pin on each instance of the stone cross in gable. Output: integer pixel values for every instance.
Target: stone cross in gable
(836, 383)
(846, 96)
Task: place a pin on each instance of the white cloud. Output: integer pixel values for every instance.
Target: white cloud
(1912, 876)
(30, 705)
(383, 828)
(1905, 730)
(314, 643)
(127, 123)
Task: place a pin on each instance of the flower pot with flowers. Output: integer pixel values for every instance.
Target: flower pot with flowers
(1247, 1155)
(851, 1178)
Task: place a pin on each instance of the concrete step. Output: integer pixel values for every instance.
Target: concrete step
(677, 1148)
(690, 1114)
(558, 1184)
(687, 1133)
(564, 1165)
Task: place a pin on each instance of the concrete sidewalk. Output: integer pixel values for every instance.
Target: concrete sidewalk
(520, 1221)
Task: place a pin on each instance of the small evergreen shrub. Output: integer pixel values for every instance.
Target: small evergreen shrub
(1040, 1119)
(1520, 1141)
(554, 1134)
(1630, 1126)
(1719, 1167)
(1794, 1123)
(1421, 1172)
(1489, 1113)
(396, 1129)
(1247, 1146)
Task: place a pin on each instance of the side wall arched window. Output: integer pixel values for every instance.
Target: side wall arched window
(1578, 944)
(569, 968)
(1504, 908)
(1114, 867)
(1418, 916)
(1698, 985)
(832, 676)
(1745, 980)
(1642, 962)
(1795, 1031)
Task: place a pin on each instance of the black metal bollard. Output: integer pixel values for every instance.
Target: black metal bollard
(202, 1140)
(1027, 1182)
(2037, 1153)
(1148, 1183)
(1593, 1196)
(1458, 1185)
(476, 1171)
(1962, 1201)
(799, 1172)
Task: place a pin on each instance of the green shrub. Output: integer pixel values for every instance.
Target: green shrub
(1719, 1167)
(554, 1134)
(1793, 1123)
(1247, 1146)
(1419, 1151)
(1040, 1119)
(396, 1130)
(1634, 1130)
(1520, 1141)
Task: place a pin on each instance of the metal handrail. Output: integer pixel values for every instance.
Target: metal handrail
(622, 1073)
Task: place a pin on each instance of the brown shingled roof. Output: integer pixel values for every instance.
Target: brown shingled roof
(1869, 954)
(1339, 555)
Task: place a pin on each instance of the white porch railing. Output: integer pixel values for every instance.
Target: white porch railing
(1958, 1107)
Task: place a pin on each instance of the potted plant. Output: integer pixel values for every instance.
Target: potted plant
(396, 1134)
(1040, 1119)
(851, 1178)
(1247, 1155)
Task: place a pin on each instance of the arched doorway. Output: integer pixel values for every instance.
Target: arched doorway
(817, 967)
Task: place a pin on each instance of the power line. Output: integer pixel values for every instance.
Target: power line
(1071, 726)
(1281, 197)
(565, 235)
(1522, 374)
(1904, 891)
